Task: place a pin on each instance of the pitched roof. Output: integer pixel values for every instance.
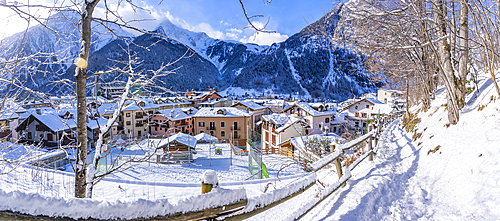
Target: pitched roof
(182, 138)
(222, 112)
(283, 121)
(252, 105)
(307, 108)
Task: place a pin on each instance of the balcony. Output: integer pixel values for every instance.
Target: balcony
(139, 125)
(233, 128)
(139, 116)
(211, 128)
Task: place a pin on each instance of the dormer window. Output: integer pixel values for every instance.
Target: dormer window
(220, 111)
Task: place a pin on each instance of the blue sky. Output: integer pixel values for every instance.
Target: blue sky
(219, 19)
(225, 19)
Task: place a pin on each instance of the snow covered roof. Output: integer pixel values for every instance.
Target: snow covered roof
(206, 137)
(95, 123)
(148, 104)
(374, 101)
(213, 101)
(50, 120)
(174, 114)
(222, 112)
(182, 138)
(307, 108)
(383, 108)
(283, 121)
(251, 104)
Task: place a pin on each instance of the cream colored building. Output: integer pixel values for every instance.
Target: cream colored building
(278, 128)
(225, 123)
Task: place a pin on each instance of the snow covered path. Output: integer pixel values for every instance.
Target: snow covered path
(375, 186)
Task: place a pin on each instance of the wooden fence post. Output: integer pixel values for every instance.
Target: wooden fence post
(370, 127)
(339, 169)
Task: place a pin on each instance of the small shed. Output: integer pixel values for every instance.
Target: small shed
(178, 148)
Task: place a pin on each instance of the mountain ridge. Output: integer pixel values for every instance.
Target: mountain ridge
(305, 63)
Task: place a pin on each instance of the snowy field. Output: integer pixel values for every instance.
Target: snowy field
(149, 181)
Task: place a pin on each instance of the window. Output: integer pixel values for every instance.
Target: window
(201, 124)
(364, 115)
(356, 107)
(211, 133)
(274, 139)
(327, 120)
(222, 124)
(29, 135)
(335, 129)
(39, 128)
(49, 137)
(156, 128)
(367, 106)
(201, 131)
(128, 114)
(128, 123)
(223, 133)
(356, 124)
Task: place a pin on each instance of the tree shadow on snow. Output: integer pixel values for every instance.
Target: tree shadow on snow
(377, 202)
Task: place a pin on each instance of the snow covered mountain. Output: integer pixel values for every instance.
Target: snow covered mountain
(57, 45)
(305, 63)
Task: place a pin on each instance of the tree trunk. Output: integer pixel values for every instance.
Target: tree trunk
(451, 82)
(463, 45)
(81, 109)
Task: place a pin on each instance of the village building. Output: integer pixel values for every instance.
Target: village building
(389, 97)
(360, 111)
(109, 90)
(52, 128)
(197, 98)
(257, 109)
(277, 128)
(318, 118)
(225, 123)
(36, 104)
(171, 121)
(136, 117)
(172, 102)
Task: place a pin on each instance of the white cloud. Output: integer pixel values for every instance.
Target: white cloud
(262, 38)
(234, 30)
(224, 23)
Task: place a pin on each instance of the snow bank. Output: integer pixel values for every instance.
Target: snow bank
(265, 199)
(36, 204)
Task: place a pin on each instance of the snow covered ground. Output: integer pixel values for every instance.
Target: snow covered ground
(459, 181)
(145, 184)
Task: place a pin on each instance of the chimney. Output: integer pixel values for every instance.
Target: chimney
(38, 111)
(172, 114)
(253, 104)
